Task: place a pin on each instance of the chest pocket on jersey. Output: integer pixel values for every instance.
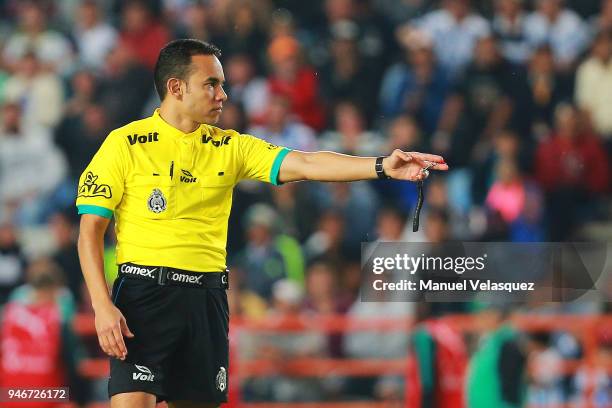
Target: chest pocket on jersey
(152, 197)
(216, 192)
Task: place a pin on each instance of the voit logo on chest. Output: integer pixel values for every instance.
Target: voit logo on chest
(136, 138)
(217, 143)
(187, 177)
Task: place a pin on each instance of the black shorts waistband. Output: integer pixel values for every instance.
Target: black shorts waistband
(164, 275)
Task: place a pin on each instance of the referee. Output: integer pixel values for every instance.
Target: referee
(168, 181)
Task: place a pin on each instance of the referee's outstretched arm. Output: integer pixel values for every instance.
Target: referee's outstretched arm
(330, 166)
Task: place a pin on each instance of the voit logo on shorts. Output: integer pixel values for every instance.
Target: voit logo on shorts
(144, 374)
(137, 270)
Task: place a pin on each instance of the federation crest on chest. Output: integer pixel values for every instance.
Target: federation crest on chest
(156, 201)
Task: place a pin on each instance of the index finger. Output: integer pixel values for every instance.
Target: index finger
(428, 157)
(437, 166)
(119, 341)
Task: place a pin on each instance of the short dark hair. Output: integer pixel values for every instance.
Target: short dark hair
(175, 59)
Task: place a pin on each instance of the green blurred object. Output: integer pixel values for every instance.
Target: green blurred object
(110, 264)
(487, 378)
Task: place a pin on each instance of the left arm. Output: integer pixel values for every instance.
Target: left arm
(330, 166)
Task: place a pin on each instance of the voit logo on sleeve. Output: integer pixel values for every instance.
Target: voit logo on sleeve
(143, 374)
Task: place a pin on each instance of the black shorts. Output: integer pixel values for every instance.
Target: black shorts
(180, 346)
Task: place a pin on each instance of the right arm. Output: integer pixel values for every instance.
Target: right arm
(110, 322)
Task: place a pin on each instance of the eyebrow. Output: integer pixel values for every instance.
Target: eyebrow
(214, 80)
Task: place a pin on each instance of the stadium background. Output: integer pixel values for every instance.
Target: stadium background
(521, 109)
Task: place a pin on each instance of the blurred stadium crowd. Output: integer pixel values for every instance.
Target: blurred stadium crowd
(516, 94)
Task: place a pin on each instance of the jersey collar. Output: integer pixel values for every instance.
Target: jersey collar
(168, 128)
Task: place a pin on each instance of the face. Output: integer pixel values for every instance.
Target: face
(203, 95)
(320, 281)
(549, 8)
(88, 14)
(508, 7)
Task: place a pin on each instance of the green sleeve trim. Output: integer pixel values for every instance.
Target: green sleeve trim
(276, 166)
(95, 210)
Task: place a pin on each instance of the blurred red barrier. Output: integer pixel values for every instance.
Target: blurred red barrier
(584, 328)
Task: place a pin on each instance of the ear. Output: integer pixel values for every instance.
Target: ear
(174, 87)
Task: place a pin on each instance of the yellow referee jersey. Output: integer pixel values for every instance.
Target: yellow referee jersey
(171, 192)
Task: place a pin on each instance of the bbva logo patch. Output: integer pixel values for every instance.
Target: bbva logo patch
(90, 188)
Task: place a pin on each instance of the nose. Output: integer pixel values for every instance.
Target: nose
(221, 95)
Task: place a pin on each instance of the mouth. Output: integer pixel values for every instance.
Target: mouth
(218, 110)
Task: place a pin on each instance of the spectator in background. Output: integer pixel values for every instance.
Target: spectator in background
(497, 370)
(12, 260)
(297, 208)
(63, 228)
(358, 203)
(247, 89)
(234, 117)
(84, 89)
(594, 86)
(454, 28)
(510, 27)
(39, 92)
(518, 201)
(561, 28)
(347, 76)
(296, 81)
(506, 145)
(480, 106)
(603, 21)
(596, 378)
(436, 373)
(268, 256)
(33, 36)
(399, 11)
(546, 374)
(125, 87)
(324, 297)
(458, 224)
(39, 347)
(93, 36)
(194, 21)
(244, 303)
(327, 242)
(80, 137)
(391, 225)
(537, 93)
(374, 40)
(350, 135)
(243, 23)
(283, 348)
(282, 129)
(141, 33)
(417, 86)
(30, 169)
(377, 344)
(572, 167)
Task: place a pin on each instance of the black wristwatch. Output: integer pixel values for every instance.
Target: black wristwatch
(380, 171)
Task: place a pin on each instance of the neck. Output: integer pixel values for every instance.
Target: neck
(171, 115)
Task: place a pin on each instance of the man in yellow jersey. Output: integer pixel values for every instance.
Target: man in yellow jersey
(168, 181)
